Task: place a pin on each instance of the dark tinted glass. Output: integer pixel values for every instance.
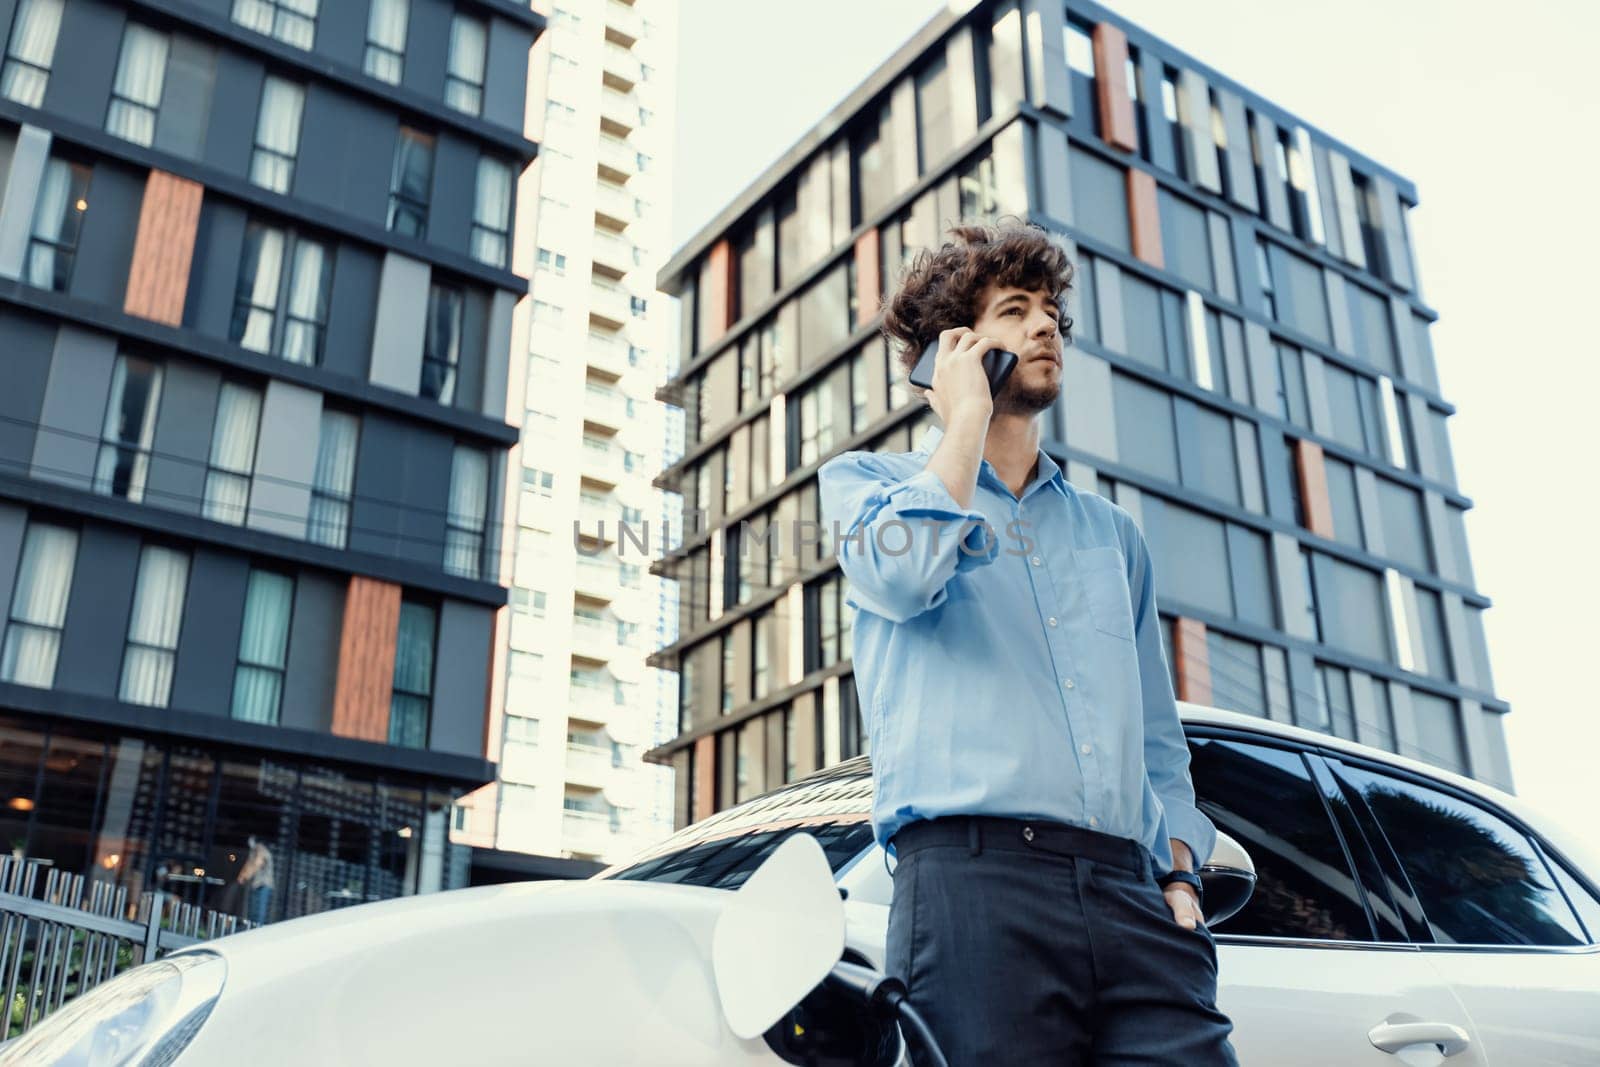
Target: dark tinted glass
(727, 862)
(1478, 878)
(1264, 798)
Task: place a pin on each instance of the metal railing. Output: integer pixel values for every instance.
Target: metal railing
(60, 935)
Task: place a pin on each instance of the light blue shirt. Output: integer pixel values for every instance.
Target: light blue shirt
(1007, 655)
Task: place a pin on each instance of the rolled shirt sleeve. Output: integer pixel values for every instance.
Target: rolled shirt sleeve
(1166, 751)
(900, 539)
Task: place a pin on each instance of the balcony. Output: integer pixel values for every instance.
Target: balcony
(605, 411)
(617, 161)
(608, 356)
(624, 25)
(600, 464)
(613, 207)
(612, 254)
(597, 520)
(588, 765)
(586, 832)
(620, 68)
(619, 112)
(594, 642)
(609, 304)
(597, 580)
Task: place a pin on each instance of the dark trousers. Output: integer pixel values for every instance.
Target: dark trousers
(1042, 943)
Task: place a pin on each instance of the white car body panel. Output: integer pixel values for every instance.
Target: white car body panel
(619, 972)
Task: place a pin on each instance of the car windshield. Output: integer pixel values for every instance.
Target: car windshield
(722, 851)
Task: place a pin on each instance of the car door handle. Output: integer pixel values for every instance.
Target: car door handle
(1392, 1037)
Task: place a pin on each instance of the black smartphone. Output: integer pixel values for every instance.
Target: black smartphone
(997, 365)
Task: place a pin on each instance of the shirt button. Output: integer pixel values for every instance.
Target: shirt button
(1094, 820)
(1037, 562)
(1086, 749)
(1067, 682)
(1052, 620)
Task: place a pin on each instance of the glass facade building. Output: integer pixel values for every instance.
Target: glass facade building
(1251, 377)
(257, 303)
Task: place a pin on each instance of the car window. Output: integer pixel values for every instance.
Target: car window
(1478, 878)
(1583, 901)
(1265, 799)
(726, 862)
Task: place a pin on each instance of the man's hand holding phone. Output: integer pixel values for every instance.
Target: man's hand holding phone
(960, 389)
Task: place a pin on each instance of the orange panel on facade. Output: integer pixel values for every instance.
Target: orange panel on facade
(366, 659)
(867, 269)
(158, 277)
(705, 778)
(1193, 665)
(1314, 500)
(1111, 84)
(1144, 217)
(718, 302)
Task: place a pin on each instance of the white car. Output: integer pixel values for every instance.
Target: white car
(1399, 914)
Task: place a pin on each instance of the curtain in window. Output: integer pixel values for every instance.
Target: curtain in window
(33, 42)
(441, 345)
(464, 86)
(129, 427)
(39, 606)
(136, 94)
(328, 522)
(153, 629)
(296, 22)
(409, 183)
(469, 509)
(277, 134)
(253, 14)
(263, 646)
(233, 453)
(386, 39)
(491, 214)
(308, 303)
(256, 300)
(49, 212)
(413, 677)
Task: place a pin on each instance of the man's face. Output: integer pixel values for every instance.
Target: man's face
(1024, 322)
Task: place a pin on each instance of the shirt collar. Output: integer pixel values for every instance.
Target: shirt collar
(1049, 470)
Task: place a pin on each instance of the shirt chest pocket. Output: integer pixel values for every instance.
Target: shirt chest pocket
(1105, 587)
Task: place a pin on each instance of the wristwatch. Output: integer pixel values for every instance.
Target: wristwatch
(1187, 878)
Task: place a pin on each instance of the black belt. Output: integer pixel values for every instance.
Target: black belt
(978, 832)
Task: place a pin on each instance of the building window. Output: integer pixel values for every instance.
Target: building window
(727, 672)
(463, 81)
(281, 269)
(410, 183)
(30, 51)
(39, 606)
(1080, 50)
(233, 454)
(263, 647)
(491, 213)
(469, 512)
(333, 482)
(832, 623)
(441, 345)
(294, 22)
(1264, 269)
(129, 428)
(136, 93)
(816, 423)
(277, 134)
(386, 39)
(554, 262)
(57, 222)
(761, 656)
(686, 691)
(153, 626)
(638, 306)
(413, 676)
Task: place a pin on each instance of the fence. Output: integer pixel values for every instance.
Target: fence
(61, 936)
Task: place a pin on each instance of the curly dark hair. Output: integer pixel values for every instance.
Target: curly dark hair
(942, 286)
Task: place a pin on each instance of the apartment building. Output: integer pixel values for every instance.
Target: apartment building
(1251, 378)
(256, 300)
(576, 705)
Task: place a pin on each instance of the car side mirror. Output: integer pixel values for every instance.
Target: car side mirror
(1229, 877)
(777, 937)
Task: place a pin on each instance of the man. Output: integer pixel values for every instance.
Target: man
(1030, 771)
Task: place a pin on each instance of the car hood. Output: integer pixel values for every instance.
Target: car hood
(561, 972)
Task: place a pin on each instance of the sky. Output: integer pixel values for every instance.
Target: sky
(1483, 108)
